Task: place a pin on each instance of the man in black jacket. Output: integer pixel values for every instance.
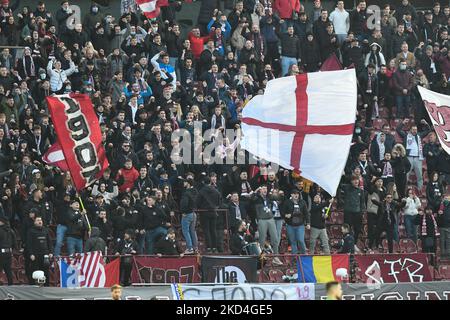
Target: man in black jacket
(240, 239)
(296, 215)
(76, 228)
(209, 200)
(266, 223)
(168, 245)
(7, 243)
(153, 222)
(318, 229)
(290, 50)
(347, 244)
(125, 248)
(188, 216)
(40, 248)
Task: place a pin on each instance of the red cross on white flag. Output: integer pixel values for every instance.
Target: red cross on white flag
(305, 123)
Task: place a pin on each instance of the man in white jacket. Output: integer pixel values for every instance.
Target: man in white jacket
(59, 76)
(341, 22)
(410, 212)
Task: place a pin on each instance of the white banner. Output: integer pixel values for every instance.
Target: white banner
(296, 291)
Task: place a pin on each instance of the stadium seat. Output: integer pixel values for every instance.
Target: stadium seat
(14, 263)
(378, 123)
(22, 277)
(444, 272)
(407, 246)
(276, 276)
(336, 232)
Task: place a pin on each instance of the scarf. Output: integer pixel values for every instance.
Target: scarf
(387, 170)
(424, 226)
(410, 139)
(28, 66)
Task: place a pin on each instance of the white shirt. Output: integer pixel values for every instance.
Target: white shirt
(340, 20)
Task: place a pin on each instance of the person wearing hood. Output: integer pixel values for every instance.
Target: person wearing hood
(7, 244)
(95, 242)
(209, 200)
(375, 57)
(311, 54)
(93, 18)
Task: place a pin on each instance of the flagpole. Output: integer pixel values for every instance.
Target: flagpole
(85, 215)
(329, 207)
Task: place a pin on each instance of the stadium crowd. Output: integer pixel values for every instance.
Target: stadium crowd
(147, 80)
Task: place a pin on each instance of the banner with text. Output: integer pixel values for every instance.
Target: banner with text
(165, 270)
(385, 268)
(246, 291)
(229, 269)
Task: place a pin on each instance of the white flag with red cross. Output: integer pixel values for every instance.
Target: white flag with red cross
(304, 123)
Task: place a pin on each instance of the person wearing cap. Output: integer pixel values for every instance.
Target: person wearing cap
(44, 208)
(7, 243)
(168, 245)
(126, 247)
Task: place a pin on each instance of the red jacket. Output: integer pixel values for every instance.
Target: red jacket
(197, 44)
(285, 7)
(129, 177)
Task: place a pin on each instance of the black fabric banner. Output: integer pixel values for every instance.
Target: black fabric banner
(227, 269)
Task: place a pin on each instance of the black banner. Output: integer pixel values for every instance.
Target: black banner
(225, 269)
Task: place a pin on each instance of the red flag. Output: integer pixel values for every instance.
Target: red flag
(112, 272)
(79, 135)
(150, 8)
(55, 157)
(331, 64)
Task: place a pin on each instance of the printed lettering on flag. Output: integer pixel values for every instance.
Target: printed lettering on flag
(438, 108)
(88, 270)
(79, 136)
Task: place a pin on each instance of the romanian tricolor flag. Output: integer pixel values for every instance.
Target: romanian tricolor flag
(321, 269)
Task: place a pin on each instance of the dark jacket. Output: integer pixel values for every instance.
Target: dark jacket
(353, 199)
(126, 246)
(187, 203)
(167, 247)
(95, 242)
(318, 216)
(347, 244)
(238, 241)
(290, 46)
(152, 217)
(208, 198)
(38, 241)
(402, 80)
(444, 218)
(263, 207)
(104, 228)
(299, 213)
(389, 218)
(77, 224)
(7, 237)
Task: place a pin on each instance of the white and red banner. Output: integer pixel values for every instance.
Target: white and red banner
(79, 136)
(305, 123)
(394, 268)
(88, 270)
(151, 8)
(55, 157)
(438, 107)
